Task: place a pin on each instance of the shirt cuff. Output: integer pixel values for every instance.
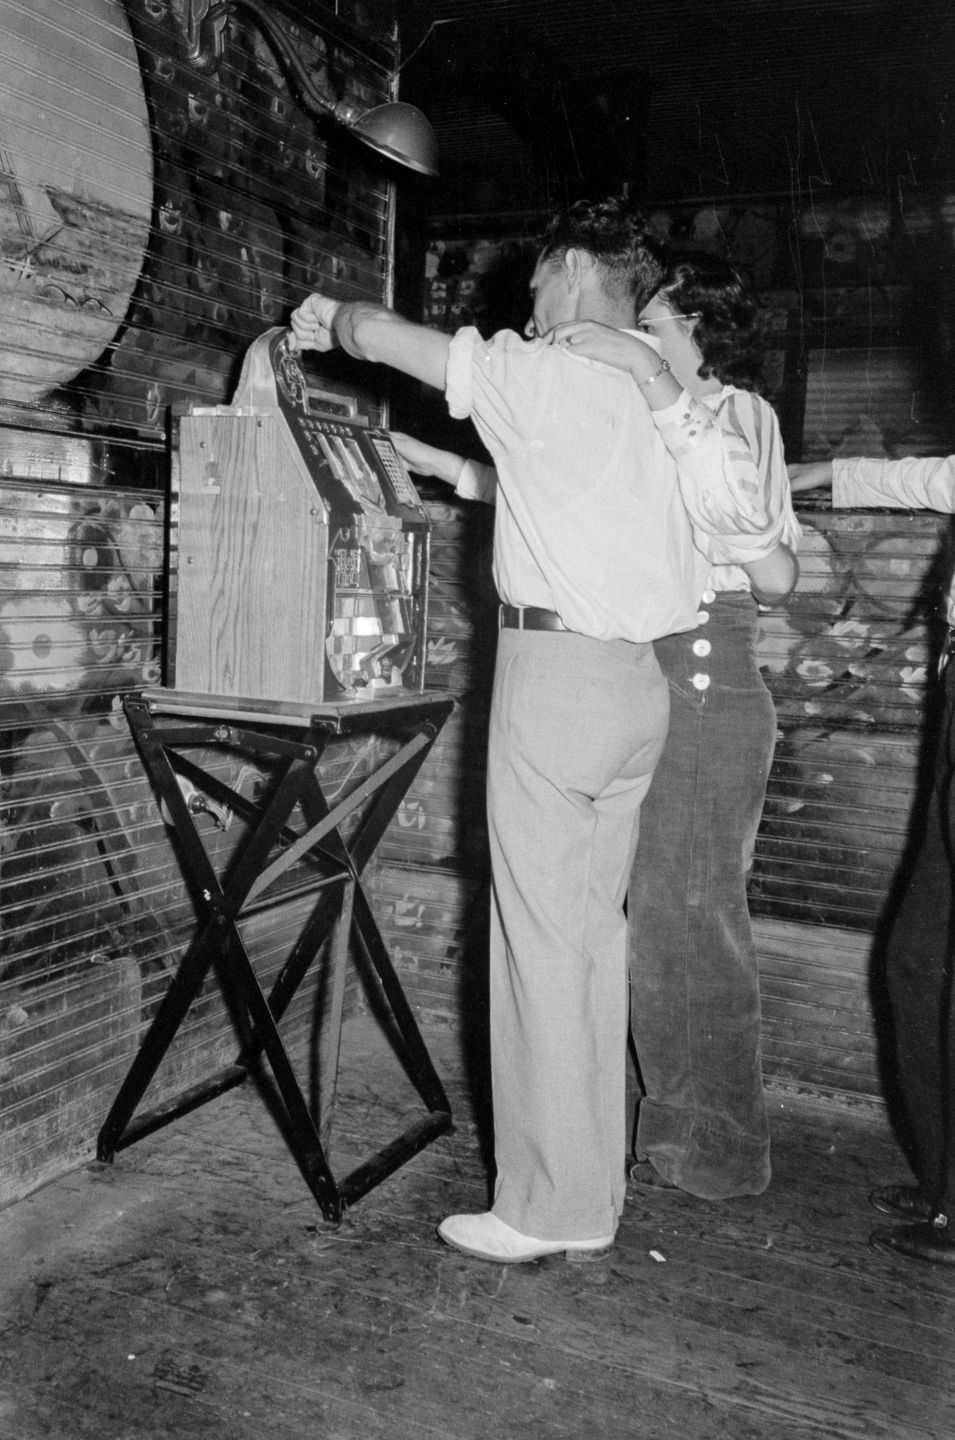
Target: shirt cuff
(476, 481)
(686, 421)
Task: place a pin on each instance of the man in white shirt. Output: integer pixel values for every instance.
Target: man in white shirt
(920, 950)
(593, 559)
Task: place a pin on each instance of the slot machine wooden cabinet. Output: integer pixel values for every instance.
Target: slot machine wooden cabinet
(297, 614)
(299, 547)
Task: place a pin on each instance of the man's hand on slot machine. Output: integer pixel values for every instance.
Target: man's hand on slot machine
(313, 321)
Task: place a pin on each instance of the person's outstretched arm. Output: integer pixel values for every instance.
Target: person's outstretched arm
(374, 333)
(471, 479)
(914, 482)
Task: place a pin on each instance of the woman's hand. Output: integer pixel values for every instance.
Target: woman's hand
(774, 578)
(623, 351)
(618, 348)
(810, 476)
(427, 459)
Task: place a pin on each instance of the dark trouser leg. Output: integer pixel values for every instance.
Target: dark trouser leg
(695, 1007)
(918, 980)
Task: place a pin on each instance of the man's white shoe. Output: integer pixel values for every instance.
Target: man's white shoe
(488, 1238)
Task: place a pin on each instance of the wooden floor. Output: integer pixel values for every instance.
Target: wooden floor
(192, 1290)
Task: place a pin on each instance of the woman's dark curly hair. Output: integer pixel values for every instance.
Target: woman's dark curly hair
(729, 331)
(615, 232)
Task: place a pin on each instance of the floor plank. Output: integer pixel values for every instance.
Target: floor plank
(192, 1289)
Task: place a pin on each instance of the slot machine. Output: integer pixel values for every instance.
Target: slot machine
(298, 547)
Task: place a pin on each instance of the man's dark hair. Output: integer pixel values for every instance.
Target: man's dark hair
(616, 234)
(729, 332)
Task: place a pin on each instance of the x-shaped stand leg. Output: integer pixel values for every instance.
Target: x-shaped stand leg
(341, 907)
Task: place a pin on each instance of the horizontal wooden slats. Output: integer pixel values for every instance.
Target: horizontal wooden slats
(819, 1030)
(69, 1038)
(849, 662)
(434, 922)
(197, 205)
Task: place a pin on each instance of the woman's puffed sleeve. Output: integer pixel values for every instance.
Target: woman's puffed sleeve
(732, 474)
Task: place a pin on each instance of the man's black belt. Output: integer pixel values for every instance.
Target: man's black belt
(529, 617)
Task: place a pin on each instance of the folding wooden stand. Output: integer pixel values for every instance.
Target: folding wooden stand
(166, 724)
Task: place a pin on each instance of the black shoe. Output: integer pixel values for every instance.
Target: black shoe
(931, 1241)
(905, 1201)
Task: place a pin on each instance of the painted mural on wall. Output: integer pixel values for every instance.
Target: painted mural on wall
(75, 195)
(80, 578)
(851, 664)
(859, 298)
(198, 205)
(841, 244)
(858, 642)
(200, 215)
(82, 844)
(94, 914)
(255, 205)
(859, 295)
(81, 937)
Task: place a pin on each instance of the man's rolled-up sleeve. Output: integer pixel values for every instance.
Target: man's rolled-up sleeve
(495, 384)
(459, 390)
(477, 482)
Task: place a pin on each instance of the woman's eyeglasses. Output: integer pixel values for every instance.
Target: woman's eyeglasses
(649, 325)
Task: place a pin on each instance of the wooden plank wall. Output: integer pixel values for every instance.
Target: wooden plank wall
(194, 206)
(849, 663)
(819, 1027)
(859, 313)
(93, 913)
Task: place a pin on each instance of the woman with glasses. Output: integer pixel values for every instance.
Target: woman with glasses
(702, 1123)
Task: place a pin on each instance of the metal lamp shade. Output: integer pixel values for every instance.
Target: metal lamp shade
(402, 133)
